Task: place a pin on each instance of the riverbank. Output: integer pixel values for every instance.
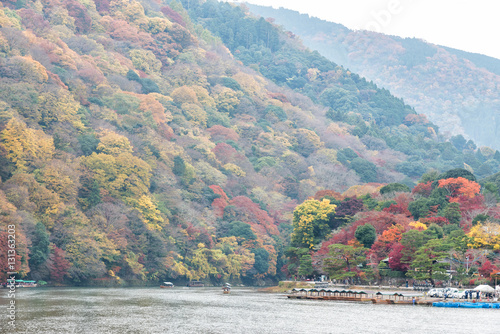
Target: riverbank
(287, 286)
(366, 294)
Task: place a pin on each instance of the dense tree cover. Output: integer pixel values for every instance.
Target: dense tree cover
(455, 89)
(134, 147)
(425, 243)
(369, 112)
(366, 235)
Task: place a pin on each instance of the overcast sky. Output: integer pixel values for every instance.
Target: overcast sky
(469, 25)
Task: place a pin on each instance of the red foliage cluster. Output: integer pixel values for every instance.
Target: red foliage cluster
(219, 132)
(386, 242)
(249, 212)
(102, 6)
(471, 207)
(349, 207)
(225, 153)
(342, 237)
(91, 73)
(219, 204)
(181, 36)
(54, 78)
(173, 15)
(395, 258)
(423, 189)
(121, 30)
(398, 209)
(380, 220)
(331, 193)
(278, 96)
(50, 50)
(166, 131)
(199, 235)
(487, 269)
(83, 21)
(164, 47)
(401, 206)
(58, 265)
(34, 21)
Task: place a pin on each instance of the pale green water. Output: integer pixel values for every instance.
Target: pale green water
(207, 310)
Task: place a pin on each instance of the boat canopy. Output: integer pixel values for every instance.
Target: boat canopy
(330, 290)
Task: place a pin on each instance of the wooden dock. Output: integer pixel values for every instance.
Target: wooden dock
(361, 296)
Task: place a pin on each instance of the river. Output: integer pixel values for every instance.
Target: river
(207, 310)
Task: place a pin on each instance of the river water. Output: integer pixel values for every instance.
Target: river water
(207, 310)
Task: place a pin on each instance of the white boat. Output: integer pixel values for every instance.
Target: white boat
(167, 285)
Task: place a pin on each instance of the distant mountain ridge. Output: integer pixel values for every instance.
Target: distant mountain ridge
(457, 90)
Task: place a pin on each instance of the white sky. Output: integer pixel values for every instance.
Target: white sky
(469, 25)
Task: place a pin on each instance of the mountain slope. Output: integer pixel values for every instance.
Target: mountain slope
(458, 91)
(136, 146)
(352, 100)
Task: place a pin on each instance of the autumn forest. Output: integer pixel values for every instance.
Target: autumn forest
(151, 140)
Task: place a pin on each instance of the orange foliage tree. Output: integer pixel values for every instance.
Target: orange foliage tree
(220, 203)
(385, 242)
(459, 187)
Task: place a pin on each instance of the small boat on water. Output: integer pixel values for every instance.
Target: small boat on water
(167, 285)
(25, 284)
(226, 289)
(196, 284)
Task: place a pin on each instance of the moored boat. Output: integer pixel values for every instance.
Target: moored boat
(167, 285)
(25, 284)
(196, 284)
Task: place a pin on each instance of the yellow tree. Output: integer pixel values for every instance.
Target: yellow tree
(151, 216)
(60, 106)
(121, 176)
(310, 222)
(137, 268)
(130, 10)
(145, 60)
(29, 69)
(60, 178)
(485, 235)
(113, 143)
(203, 97)
(25, 147)
(184, 94)
(239, 259)
(195, 114)
(227, 99)
(200, 263)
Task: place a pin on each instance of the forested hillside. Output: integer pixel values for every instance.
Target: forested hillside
(444, 229)
(457, 90)
(139, 143)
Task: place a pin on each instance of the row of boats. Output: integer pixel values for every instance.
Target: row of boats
(19, 283)
(191, 284)
(226, 289)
